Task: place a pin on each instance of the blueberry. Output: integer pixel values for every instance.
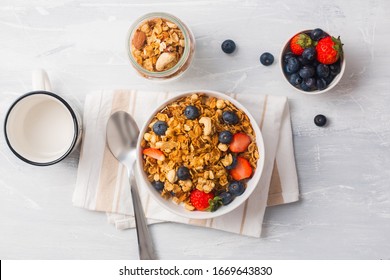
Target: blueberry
(322, 70)
(311, 83)
(309, 54)
(233, 164)
(236, 188)
(321, 84)
(306, 71)
(334, 68)
(158, 185)
(183, 173)
(230, 117)
(317, 34)
(191, 112)
(266, 59)
(295, 79)
(228, 46)
(225, 137)
(160, 127)
(329, 79)
(226, 198)
(320, 120)
(287, 56)
(304, 61)
(304, 86)
(292, 65)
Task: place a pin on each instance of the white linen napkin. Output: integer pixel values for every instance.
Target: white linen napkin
(102, 183)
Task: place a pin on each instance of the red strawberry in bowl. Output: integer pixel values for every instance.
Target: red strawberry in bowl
(204, 201)
(242, 170)
(329, 50)
(240, 142)
(299, 43)
(154, 153)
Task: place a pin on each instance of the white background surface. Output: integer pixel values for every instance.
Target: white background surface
(344, 174)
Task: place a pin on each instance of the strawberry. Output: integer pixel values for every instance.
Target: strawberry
(329, 50)
(300, 42)
(154, 153)
(242, 170)
(202, 201)
(240, 142)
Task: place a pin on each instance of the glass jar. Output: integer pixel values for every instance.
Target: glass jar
(139, 47)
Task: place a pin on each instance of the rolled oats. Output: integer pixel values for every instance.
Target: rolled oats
(195, 145)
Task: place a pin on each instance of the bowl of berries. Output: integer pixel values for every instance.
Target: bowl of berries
(200, 154)
(312, 61)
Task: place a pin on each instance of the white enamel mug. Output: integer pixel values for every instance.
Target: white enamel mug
(42, 128)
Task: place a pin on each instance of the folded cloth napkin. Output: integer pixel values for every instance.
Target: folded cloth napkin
(102, 183)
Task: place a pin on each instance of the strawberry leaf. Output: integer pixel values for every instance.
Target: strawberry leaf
(214, 204)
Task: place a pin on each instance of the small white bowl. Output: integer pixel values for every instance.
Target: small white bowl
(179, 209)
(336, 80)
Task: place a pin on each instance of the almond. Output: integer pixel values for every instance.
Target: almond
(139, 39)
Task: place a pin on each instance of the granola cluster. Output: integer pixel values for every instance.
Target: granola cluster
(175, 142)
(157, 44)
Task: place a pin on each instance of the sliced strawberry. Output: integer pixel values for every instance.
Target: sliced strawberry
(201, 200)
(242, 170)
(240, 142)
(154, 153)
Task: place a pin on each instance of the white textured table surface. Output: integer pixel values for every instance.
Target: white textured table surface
(344, 174)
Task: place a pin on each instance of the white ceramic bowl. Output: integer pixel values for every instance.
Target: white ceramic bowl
(179, 209)
(336, 80)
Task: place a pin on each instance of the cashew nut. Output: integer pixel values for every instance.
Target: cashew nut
(171, 176)
(164, 59)
(206, 121)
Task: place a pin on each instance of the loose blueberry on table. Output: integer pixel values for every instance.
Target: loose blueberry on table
(320, 120)
(228, 46)
(266, 59)
(315, 57)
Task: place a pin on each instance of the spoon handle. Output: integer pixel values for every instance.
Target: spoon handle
(145, 245)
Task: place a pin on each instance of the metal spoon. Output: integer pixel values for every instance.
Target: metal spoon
(122, 134)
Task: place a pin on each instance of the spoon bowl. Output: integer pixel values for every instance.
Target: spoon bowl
(122, 134)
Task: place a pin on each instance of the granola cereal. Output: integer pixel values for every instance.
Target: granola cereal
(189, 154)
(157, 44)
